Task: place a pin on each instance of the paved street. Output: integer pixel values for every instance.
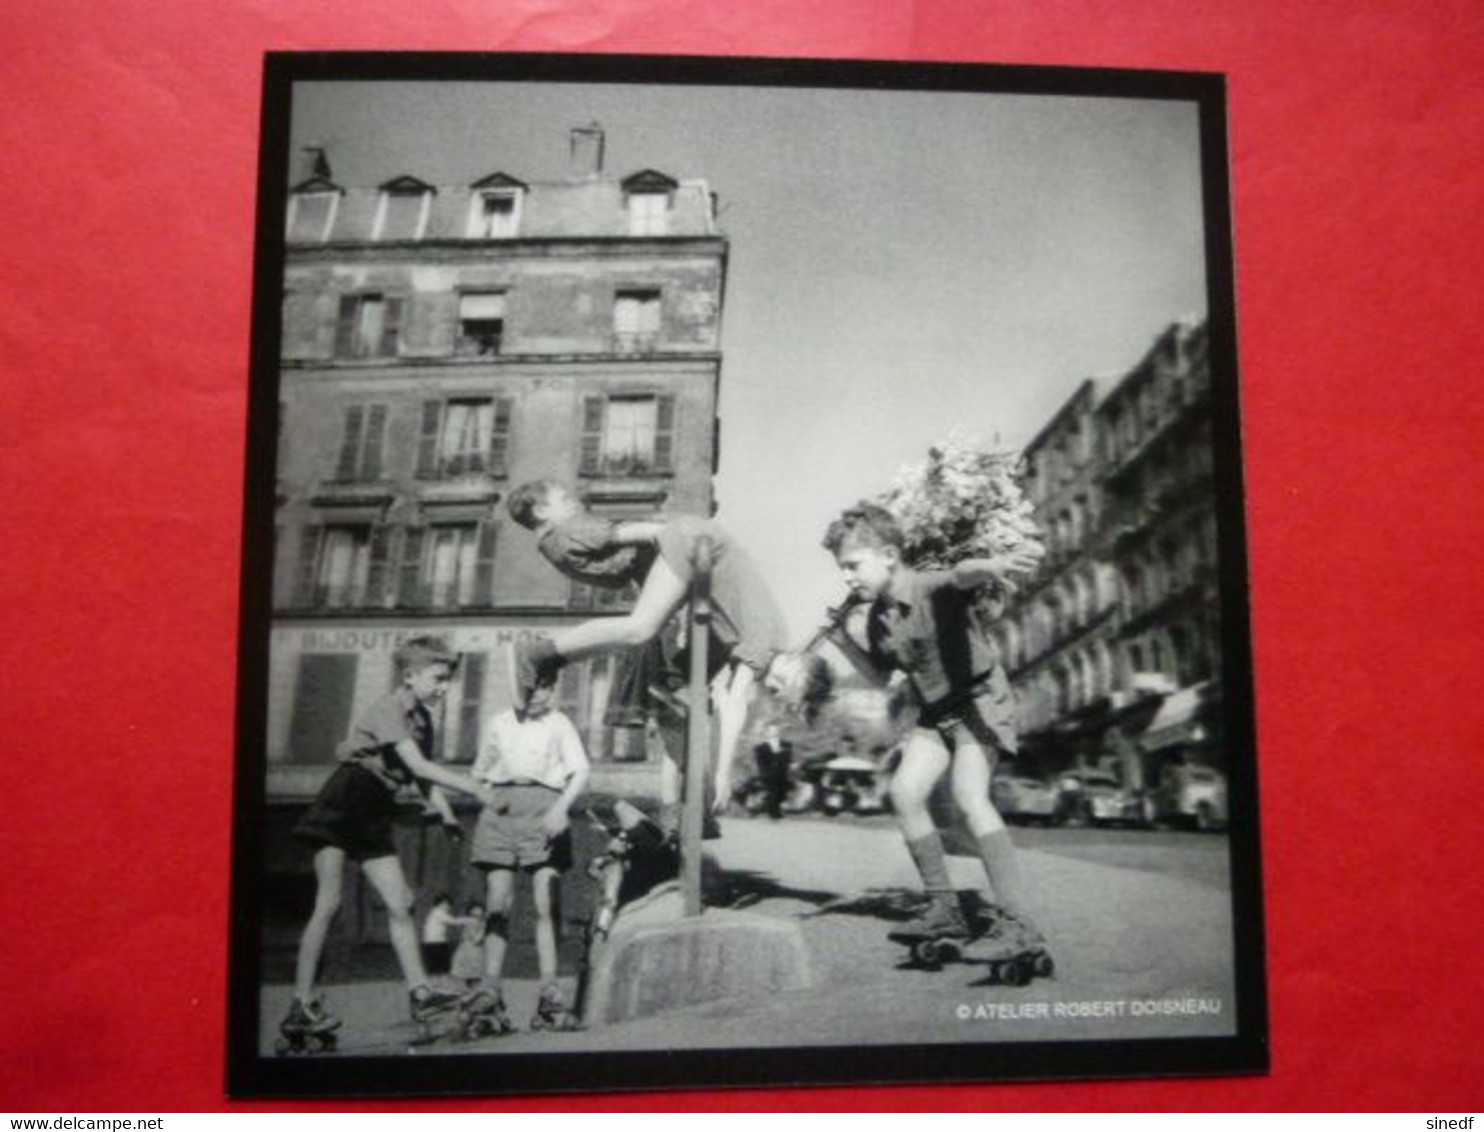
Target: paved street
(1140, 925)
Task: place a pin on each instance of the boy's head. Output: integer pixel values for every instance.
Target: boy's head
(867, 544)
(426, 665)
(539, 502)
(538, 700)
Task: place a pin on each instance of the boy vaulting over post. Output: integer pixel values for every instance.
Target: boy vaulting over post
(389, 747)
(747, 629)
(921, 623)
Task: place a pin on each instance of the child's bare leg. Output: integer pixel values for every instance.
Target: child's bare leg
(973, 768)
(385, 875)
(924, 761)
(329, 878)
(662, 594)
(543, 884)
(499, 888)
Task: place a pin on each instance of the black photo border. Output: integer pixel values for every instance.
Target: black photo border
(251, 1074)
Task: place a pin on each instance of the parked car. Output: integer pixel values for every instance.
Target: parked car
(1193, 796)
(1096, 797)
(1021, 798)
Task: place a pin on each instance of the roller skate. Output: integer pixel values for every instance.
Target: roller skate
(482, 1014)
(936, 935)
(308, 1028)
(552, 1011)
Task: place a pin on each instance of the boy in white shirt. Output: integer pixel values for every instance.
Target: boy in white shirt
(535, 765)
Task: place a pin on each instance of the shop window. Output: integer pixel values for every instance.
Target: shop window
(324, 693)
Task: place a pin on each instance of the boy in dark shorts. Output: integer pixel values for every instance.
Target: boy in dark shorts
(389, 747)
(747, 628)
(534, 765)
(921, 623)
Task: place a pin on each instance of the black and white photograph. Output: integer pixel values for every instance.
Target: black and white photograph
(745, 580)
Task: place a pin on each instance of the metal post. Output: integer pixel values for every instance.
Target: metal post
(698, 730)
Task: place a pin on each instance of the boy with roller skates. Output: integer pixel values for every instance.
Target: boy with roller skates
(389, 747)
(920, 623)
(532, 760)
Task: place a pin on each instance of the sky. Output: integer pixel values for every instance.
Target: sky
(902, 266)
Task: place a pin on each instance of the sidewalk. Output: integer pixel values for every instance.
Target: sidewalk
(1138, 955)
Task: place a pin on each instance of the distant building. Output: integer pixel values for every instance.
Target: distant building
(1121, 627)
(441, 344)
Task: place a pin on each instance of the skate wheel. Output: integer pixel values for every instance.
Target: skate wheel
(926, 953)
(1016, 974)
(327, 1043)
(283, 1047)
(1043, 966)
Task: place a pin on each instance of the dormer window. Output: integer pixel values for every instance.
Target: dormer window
(494, 208)
(647, 199)
(402, 210)
(311, 212)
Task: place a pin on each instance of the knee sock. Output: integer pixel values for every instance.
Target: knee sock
(998, 854)
(932, 865)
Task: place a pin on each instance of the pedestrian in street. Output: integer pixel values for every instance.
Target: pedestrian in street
(437, 943)
(774, 757)
(532, 759)
(747, 629)
(467, 966)
(390, 747)
(920, 623)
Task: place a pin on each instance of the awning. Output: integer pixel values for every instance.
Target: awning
(1179, 719)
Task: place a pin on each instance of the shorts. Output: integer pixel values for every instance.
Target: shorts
(353, 812)
(969, 723)
(512, 838)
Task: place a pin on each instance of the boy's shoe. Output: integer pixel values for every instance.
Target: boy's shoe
(534, 661)
(429, 1002)
(551, 1009)
(483, 1013)
(309, 1018)
(943, 919)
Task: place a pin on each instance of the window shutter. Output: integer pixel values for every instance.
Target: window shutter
(309, 540)
(472, 666)
(375, 441)
(376, 575)
(390, 327)
(350, 443)
(345, 326)
(664, 435)
(427, 448)
(411, 591)
(500, 438)
(592, 436)
(484, 565)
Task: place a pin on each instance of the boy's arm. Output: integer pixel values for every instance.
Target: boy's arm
(428, 771)
(731, 714)
(556, 819)
(637, 532)
(972, 573)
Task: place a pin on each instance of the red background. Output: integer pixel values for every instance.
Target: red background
(129, 132)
